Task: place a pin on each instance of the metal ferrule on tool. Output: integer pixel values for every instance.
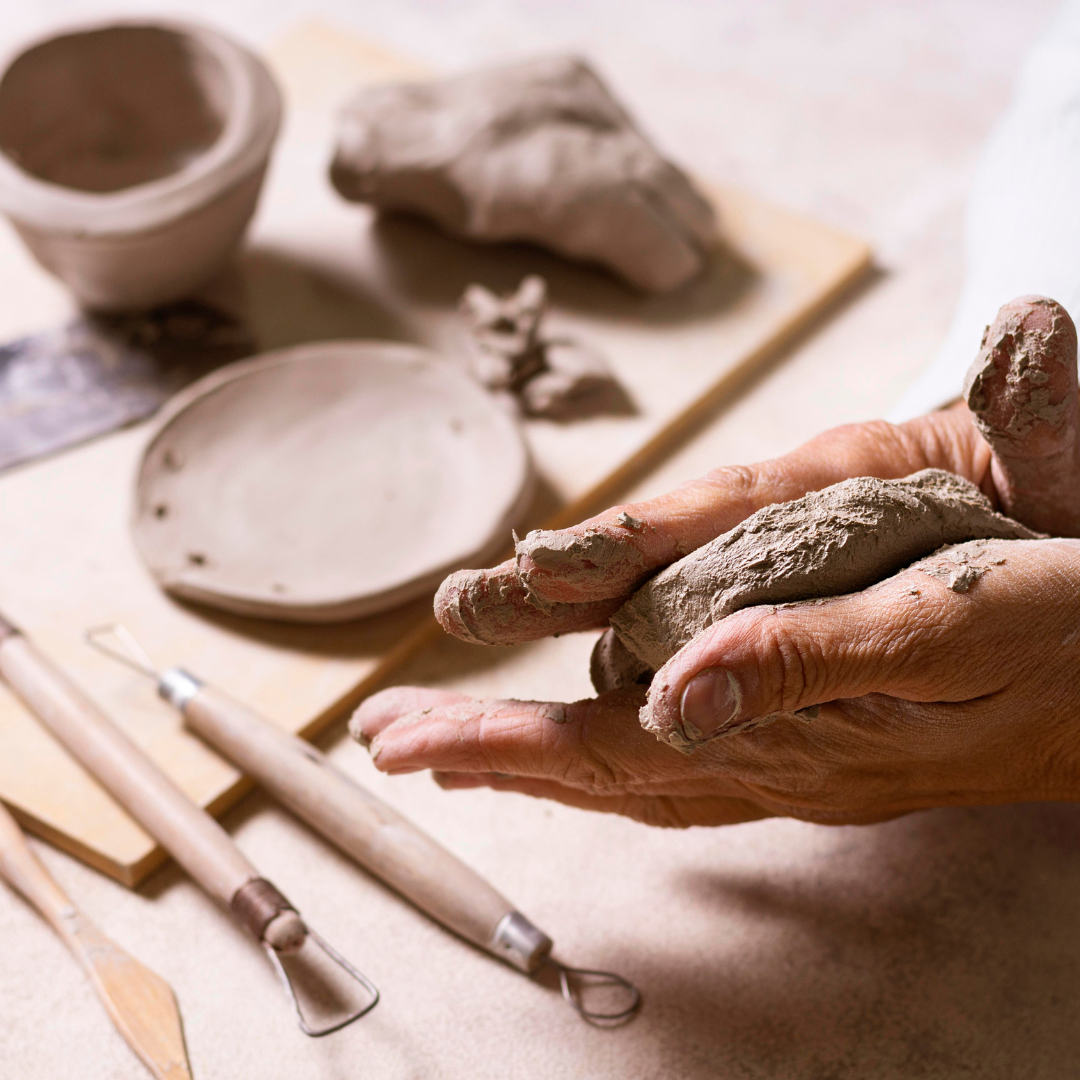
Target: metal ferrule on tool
(178, 687)
(520, 943)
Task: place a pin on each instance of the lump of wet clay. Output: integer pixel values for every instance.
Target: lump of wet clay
(827, 543)
(538, 150)
(557, 377)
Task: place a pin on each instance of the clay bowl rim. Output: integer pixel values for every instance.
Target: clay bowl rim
(309, 611)
(242, 147)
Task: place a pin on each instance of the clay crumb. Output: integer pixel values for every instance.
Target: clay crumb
(556, 712)
(959, 566)
(629, 522)
(559, 378)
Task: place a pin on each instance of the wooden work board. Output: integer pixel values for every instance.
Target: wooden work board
(315, 267)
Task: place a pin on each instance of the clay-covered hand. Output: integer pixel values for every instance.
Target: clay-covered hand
(576, 578)
(1021, 445)
(906, 695)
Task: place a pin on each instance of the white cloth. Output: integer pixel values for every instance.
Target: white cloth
(1023, 218)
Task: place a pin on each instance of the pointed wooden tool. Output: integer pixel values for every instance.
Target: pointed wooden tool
(140, 1003)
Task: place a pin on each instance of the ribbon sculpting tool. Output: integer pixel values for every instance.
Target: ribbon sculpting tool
(193, 838)
(140, 1003)
(374, 834)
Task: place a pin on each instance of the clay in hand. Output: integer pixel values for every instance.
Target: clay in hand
(539, 151)
(827, 543)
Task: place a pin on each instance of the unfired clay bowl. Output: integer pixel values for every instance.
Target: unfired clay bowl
(132, 154)
(327, 482)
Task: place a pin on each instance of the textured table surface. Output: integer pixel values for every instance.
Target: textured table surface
(940, 945)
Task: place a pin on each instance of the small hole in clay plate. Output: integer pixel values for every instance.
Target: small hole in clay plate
(171, 460)
(278, 587)
(161, 511)
(196, 558)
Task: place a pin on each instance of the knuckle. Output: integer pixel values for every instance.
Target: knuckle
(796, 665)
(741, 482)
(568, 756)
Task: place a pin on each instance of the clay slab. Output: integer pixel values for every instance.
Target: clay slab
(327, 482)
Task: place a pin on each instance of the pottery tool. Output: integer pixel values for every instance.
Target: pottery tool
(327, 482)
(139, 1003)
(374, 834)
(132, 154)
(197, 842)
(98, 372)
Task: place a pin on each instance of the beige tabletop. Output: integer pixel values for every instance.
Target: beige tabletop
(941, 945)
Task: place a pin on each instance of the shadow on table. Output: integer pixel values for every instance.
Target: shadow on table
(424, 265)
(292, 300)
(945, 944)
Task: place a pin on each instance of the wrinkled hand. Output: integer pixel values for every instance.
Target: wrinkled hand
(582, 575)
(909, 695)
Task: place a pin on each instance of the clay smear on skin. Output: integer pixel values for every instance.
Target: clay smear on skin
(1022, 392)
(493, 607)
(586, 556)
(828, 543)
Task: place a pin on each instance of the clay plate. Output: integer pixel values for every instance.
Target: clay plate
(327, 482)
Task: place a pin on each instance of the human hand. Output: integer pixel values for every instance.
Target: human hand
(576, 578)
(1022, 447)
(904, 696)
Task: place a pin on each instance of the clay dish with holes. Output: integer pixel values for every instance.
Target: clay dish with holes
(327, 482)
(132, 155)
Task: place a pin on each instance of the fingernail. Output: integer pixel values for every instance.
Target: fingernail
(710, 701)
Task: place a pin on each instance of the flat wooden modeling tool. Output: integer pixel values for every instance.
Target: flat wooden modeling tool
(197, 842)
(140, 1003)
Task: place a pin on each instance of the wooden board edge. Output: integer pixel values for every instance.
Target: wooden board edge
(135, 874)
(128, 874)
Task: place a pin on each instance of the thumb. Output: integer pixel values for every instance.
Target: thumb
(760, 661)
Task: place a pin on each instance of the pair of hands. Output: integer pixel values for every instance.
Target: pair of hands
(920, 696)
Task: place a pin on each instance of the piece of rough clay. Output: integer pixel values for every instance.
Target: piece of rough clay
(827, 543)
(538, 150)
(1022, 391)
(557, 377)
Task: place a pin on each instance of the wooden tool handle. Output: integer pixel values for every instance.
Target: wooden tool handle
(374, 834)
(190, 835)
(23, 870)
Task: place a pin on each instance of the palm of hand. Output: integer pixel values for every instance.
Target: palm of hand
(924, 699)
